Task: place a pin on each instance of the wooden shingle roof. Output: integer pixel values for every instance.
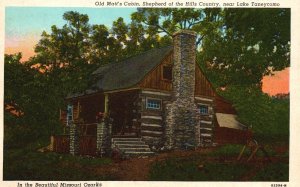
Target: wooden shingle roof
(126, 73)
(129, 72)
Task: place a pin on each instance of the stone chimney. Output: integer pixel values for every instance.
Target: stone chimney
(180, 114)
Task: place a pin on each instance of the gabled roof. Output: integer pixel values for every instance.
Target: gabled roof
(129, 72)
(126, 73)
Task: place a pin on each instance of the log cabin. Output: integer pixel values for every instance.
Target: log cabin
(159, 99)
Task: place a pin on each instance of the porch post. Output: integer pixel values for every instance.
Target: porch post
(106, 100)
(104, 136)
(109, 132)
(100, 137)
(78, 109)
(74, 139)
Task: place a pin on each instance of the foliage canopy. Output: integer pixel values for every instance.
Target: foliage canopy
(236, 48)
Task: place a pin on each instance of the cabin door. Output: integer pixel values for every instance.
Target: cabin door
(123, 113)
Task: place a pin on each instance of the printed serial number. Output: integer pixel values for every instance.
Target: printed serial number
(278, 185)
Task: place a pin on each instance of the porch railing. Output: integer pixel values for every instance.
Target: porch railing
(84, 139)
(88, 145)
(61, 143)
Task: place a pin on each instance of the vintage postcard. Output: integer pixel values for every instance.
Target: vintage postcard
(186, 93)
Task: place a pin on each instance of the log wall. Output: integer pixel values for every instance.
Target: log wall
(206, 126)
(152, 120)
(154, 80)
(202, 86)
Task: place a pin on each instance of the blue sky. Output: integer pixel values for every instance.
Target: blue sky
(24, 25)
(21, 21)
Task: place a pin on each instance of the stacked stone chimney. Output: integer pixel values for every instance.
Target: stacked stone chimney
(180, 113)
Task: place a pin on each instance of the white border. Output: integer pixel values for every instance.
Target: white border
(294, 90)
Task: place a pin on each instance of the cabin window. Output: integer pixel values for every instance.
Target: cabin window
(167, 73)
(153, 104)
(203, 109)
(69, 114)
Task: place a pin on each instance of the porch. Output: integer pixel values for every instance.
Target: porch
(120, 107)
(79, 139)
(95, 124)
(100, 143)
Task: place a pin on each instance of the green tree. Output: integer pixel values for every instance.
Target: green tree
(101, 43)
(16, 76)
(65, 57)
(134, 38)
(268, 117)
(251, 43)
(30, 103)
(236, 46)
(66, 46)
(168, 21)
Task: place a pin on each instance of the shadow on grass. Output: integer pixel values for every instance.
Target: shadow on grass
(216, 165)
(273, 172)
(195, 170)
(221, 165)
(24, 164)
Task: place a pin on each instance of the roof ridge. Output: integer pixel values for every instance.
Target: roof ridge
(137, 55)
(142, 53)
(114, 64)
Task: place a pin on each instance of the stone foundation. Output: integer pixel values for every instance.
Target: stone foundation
(74, 139)
(104, 130)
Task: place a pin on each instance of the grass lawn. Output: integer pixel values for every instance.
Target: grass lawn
(26, 164)
(273, 172)
(217, 164)
(196, 170)
(221, 165)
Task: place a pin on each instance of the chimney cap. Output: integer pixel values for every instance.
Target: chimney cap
(187, 32)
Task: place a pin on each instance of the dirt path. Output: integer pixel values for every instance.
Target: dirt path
(134, 169)
(137, 169)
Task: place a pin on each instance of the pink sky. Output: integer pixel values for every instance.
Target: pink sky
(279, 83)
(24, 44)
